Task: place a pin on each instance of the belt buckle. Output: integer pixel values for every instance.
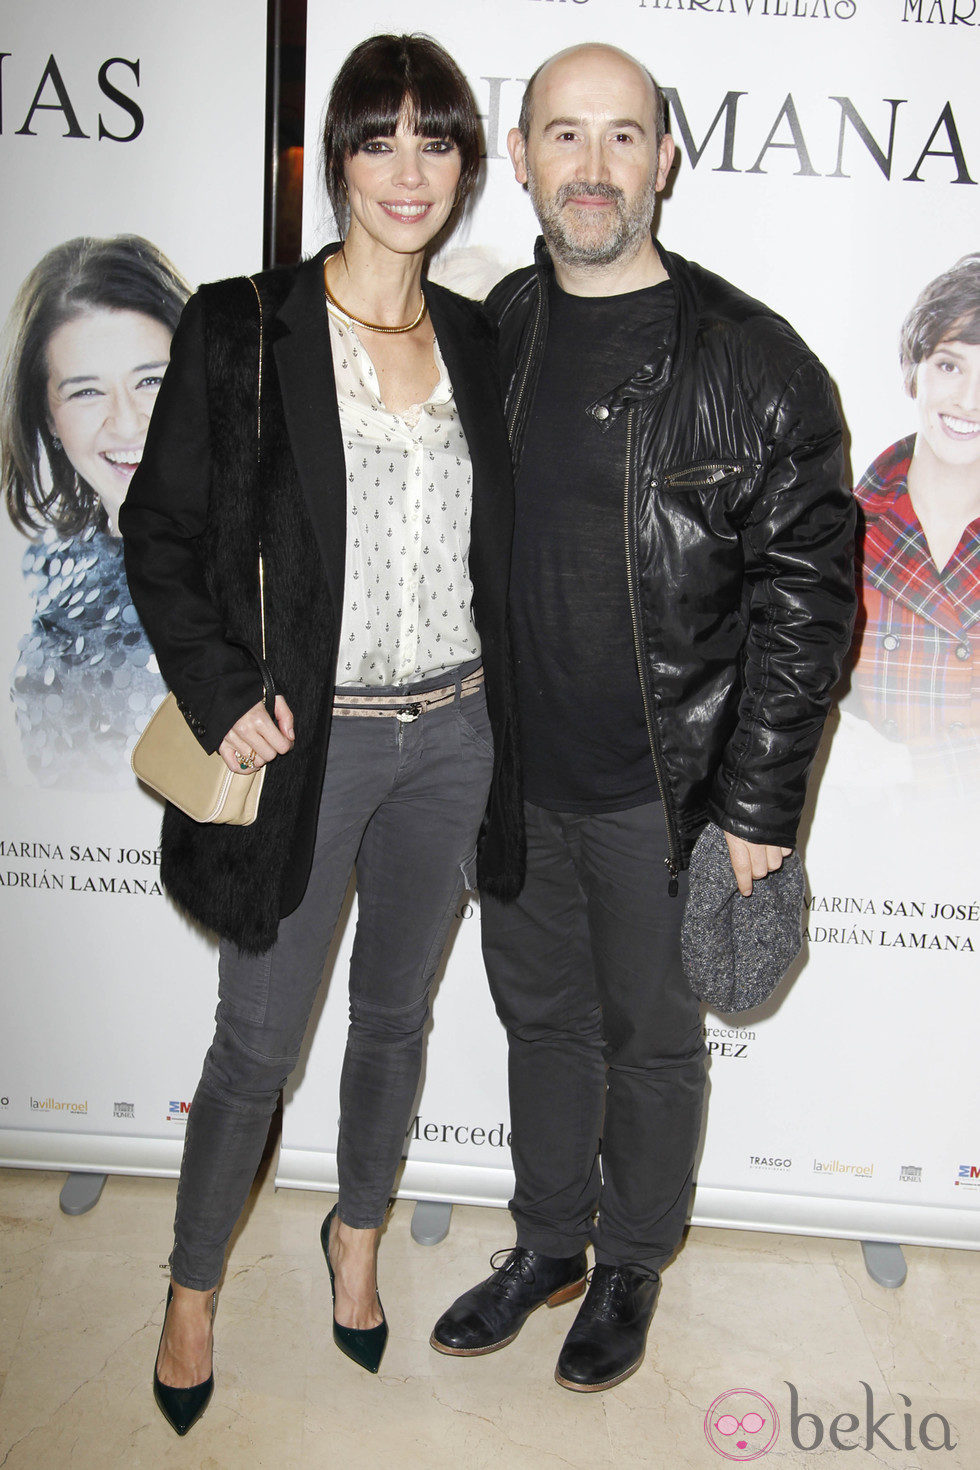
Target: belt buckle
(408, 713)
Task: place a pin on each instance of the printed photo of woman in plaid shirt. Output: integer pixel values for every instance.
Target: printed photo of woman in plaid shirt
(917, 641)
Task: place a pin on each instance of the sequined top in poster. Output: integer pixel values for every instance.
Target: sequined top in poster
(86, 680)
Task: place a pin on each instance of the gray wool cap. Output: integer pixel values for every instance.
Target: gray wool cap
(735, 949)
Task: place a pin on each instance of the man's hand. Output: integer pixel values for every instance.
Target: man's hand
(753, 860)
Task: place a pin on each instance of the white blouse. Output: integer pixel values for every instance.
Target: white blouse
(407, 590)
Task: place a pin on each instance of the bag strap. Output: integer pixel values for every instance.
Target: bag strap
(268, 683)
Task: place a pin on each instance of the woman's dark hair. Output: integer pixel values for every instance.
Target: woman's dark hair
(948, 310)
(124, 273)
(381, 78)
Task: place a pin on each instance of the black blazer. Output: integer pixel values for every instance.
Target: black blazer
(209, 489)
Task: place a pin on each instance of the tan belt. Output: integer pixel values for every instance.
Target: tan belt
(400, 707)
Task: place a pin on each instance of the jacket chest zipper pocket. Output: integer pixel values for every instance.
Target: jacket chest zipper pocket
(700, 476)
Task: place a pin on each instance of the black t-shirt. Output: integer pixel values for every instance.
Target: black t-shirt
(583, 728)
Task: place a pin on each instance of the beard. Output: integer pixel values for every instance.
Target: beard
(600, 241)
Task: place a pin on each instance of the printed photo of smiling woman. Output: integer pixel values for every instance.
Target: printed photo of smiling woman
(917, 639)
(86, 346)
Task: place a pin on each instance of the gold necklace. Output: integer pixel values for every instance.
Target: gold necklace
(373, 326)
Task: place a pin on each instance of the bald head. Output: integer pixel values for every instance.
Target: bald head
(593, 155)
(606, 66)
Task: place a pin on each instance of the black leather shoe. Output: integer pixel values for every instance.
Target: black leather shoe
(607, 1340)
(491, 1314)
(363, 1345)
(181, 1407)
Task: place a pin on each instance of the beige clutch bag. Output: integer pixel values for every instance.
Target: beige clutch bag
(168, 758)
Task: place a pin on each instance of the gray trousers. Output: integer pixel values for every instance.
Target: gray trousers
(402, 805)
(605, 1038)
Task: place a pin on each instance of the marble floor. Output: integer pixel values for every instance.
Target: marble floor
(81, 1302)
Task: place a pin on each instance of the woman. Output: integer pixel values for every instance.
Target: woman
(89, 339)
(370, 462)
(918, 644)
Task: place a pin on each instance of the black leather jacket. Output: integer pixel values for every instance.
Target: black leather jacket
(738, 534)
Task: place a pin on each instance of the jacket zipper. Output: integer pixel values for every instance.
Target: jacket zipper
(711, 474)
(671, 861)
(512, 418)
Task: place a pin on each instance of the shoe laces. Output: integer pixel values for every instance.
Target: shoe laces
(613, 1282)
(514, 1266)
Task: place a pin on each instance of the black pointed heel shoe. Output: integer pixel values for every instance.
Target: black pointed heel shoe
(363, 1345)
(181, 1407)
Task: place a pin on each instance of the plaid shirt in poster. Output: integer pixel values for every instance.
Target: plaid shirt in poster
(917, 643)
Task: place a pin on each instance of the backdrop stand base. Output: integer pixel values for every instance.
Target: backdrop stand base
(885, 1262)
(430, 1221)
(81, 1192)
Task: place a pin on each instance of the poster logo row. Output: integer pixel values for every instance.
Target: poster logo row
(967, 1175)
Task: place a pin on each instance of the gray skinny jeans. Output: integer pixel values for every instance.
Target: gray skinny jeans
(402, 805)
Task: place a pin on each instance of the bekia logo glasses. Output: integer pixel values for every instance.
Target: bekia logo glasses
(741, 1424)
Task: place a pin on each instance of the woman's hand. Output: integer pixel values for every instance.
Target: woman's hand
(255, 739)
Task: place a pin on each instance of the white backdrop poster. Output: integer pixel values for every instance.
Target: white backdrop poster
(116, 121)
(829, 164)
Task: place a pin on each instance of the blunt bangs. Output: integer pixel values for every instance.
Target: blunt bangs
(384, 77)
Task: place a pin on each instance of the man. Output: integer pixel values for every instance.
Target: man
(681, 599)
